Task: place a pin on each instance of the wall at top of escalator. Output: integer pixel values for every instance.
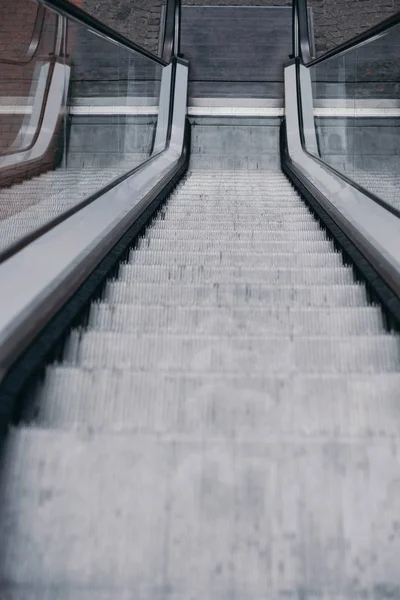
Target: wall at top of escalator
(335, 21)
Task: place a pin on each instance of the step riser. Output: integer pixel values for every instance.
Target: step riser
(214, 355)
(235, 260)
(231, 203)
(131, 318)
(208, 224)
(206, 276)
(237, 296)
(137, 402)
(228, 245)
(248, 218)
(240, 234)
(307, 241)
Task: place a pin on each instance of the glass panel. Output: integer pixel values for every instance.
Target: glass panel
(357, 115)
(27, 40)
(337, 21)
(138, 20)
(87, 117)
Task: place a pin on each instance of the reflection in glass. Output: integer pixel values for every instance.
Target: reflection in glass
(357, 114)
(75, 116)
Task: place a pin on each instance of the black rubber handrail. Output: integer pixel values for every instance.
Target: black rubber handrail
(80, 16)
(300, 9)
(172, 31)
(300, 31)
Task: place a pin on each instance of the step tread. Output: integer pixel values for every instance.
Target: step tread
(237, 294)
(273, 354)
(198, 275)
(255, 321)
(122, 400)
(106, 510)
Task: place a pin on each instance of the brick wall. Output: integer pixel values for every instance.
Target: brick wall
(139, 20)
(335, 20)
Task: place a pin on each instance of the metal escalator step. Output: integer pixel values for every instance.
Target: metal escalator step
(238, 178)
(336, 322)
(244, 233)
(173, 210)
(275, 238)
(214, 275)
(231, 201)
(207, 404)
(104, 511)
(246, 217)
(237, 295)
(239, 175)
(236, 195)
(235, 259)
(236, 183)
(229, 242)
(230, 354)
(197, 223)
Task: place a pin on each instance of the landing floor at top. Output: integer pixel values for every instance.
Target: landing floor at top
(224, 45)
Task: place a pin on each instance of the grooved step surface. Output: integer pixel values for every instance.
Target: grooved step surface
(29, 205)
(123, 400)
(237, 295)
(222, 513)
(139, 319)
(228, 353)
(236, 245)
(184, 274)
(274, 228)
(224, 424)
(234, 259)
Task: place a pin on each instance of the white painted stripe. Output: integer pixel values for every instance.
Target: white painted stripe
(211, 111)
(16, 110)
(88, 110)
(222, 101)
(247, 111)
(357, 112)
(234, 111)
(114, 110)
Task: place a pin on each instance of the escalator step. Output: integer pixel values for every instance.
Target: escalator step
(278, 260)
(197, 223)
(237, 295)
(122, 400)
(220, 275)
(335, 322)
(269, 245)
(105, 511)
(202, 231)
(215, 354)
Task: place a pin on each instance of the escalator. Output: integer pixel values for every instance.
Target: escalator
(200, 365)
